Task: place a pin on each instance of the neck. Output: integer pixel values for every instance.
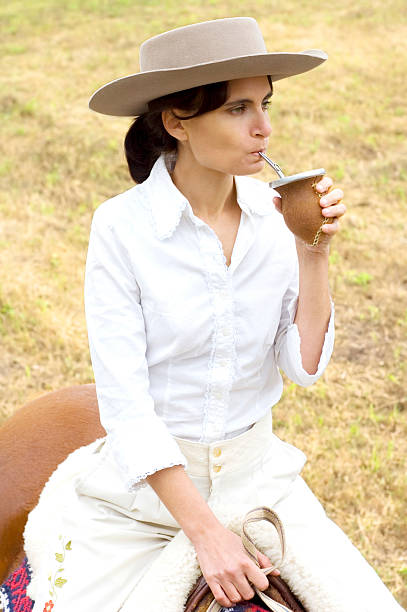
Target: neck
(209, 192)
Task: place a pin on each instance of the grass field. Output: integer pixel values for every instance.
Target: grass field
(59, 161)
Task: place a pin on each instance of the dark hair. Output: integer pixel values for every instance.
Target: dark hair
(147, 137)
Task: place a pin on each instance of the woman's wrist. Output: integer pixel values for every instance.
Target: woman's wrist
(183, 500)
(308, 251)
(201, 528)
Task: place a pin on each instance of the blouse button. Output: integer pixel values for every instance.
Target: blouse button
(216, 452)
(217, 468)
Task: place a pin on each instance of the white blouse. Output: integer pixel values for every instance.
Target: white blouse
(181, 344)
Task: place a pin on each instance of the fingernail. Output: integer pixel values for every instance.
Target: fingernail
(323, 200)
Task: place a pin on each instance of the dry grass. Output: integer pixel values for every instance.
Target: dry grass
(59, 161)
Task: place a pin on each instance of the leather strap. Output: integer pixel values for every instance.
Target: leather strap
(260, 514)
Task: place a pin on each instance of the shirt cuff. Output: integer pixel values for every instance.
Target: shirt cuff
(294, 368)
(143, 447)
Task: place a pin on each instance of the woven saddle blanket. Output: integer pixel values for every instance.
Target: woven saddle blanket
(14, 598)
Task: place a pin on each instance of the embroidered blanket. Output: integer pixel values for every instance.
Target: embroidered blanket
(245, 607)
(14, 598)
(13, 593)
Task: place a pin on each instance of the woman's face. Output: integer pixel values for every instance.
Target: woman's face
(229, 138)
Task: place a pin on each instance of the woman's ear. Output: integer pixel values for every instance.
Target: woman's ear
(174, 125)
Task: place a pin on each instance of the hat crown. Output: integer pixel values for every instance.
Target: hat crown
(200, 43)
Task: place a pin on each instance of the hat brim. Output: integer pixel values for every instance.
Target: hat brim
(128, 96)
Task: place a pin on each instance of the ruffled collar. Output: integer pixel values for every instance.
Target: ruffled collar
(168, 204)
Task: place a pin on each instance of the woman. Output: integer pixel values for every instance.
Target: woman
(196, 294)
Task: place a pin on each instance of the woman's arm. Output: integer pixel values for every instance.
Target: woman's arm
(140, 440)
(224, 563)
(314, 304)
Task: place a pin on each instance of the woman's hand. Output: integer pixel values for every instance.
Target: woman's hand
(228, 569)
(331, 205)
(332, 208)
(224, 562)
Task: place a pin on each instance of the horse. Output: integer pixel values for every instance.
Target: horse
(33, 442)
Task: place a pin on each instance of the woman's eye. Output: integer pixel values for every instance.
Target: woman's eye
(237, 110)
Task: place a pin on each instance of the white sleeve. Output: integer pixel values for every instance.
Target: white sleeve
(287, 342)
(140, 440)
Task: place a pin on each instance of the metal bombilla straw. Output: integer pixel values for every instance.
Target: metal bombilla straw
(275, 166)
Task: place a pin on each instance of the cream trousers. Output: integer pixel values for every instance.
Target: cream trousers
(90, 541)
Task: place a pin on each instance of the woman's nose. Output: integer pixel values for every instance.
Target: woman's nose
(262, 125)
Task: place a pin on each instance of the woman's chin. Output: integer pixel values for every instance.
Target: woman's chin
(251, 167)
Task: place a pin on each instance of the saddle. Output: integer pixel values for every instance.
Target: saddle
(277, 597)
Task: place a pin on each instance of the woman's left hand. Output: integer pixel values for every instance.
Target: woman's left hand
(332, 208)
(331, 205)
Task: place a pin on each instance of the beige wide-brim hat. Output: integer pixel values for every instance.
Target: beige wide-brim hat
(198, 54)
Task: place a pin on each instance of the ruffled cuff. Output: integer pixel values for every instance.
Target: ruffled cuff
(290, 359)
(143, 447)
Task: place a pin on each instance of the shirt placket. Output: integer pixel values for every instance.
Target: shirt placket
(223, 353)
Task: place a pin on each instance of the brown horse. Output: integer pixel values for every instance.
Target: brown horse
(33, 442)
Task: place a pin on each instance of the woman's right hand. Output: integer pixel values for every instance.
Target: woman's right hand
(228, 569)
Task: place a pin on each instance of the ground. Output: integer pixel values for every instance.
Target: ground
(59, 161)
